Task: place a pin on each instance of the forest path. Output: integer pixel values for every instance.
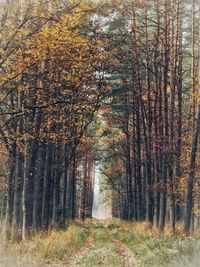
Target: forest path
(127, 255)
(75, 259)
(100, 250)
(104, 251)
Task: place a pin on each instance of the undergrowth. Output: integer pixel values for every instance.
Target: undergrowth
(154, 249)
(149, 246)
(54, 245)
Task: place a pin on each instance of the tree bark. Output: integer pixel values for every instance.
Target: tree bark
(190, 183)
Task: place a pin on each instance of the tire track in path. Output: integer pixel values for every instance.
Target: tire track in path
(126, 254)
(78, 257)
(103, 252)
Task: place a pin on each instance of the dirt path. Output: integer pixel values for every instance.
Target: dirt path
(100, 250)
(127, 255)
(105, 251)
(75, 259)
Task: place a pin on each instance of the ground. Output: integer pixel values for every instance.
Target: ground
(98, 243)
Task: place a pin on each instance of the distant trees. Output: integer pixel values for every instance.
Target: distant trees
(51, 85)
(149, 109)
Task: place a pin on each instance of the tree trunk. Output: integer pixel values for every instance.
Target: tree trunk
(46, 201)
(190, 183)
(38, 187)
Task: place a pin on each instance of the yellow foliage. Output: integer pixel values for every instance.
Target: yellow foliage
(61, 63)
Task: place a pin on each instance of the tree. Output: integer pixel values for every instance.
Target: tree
(192, 168)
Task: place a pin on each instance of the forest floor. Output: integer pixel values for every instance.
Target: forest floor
(101, 243)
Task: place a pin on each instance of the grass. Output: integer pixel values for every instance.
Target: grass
(190, 256)
(150, 247)
(54, 245)
(103, 252)
(154, 249)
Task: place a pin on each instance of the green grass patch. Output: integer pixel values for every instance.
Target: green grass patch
(156, 250)
(103, 252)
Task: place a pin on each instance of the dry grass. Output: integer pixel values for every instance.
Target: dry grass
(151, 247)
(144, 227)
(54, 245)
(158, 249)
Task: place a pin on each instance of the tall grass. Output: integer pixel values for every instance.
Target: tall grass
(158, 250)
(54, 245)
(190, 254)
